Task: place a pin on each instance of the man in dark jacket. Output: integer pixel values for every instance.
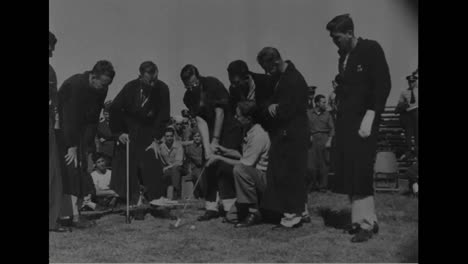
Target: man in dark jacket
(362, 92)
(55, 160)
(139, 114)
(286, 191)
(208, 102)
(246, 85)
(81, 99)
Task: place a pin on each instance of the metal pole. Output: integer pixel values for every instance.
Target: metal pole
(127, 220)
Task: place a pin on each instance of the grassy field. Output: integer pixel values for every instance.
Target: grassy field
(151, 240)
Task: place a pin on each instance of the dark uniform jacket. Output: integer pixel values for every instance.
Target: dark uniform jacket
(364, 84)
(79, 108)
(286, 192)
(142, 111)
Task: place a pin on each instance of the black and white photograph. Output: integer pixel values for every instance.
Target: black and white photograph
(233, 131)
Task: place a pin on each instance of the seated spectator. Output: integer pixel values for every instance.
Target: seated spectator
(249, 168)
(172, 156)
(193, 163)
(101, 178)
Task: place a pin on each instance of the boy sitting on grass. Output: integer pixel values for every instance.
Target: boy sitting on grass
(101, 178)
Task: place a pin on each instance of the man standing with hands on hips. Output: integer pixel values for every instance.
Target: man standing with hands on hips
(361, 94)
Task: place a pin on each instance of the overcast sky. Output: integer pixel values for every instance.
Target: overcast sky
(212, 33)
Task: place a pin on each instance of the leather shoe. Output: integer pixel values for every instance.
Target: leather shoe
(355, 227)
(306, 219)
(252, 219)
(362, 236)
(230, 221)
(209, 214)
(59, 229)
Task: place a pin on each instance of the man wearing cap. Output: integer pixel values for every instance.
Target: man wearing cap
(362, 92)
(246, 85)
(81, 99)
(138, 115)
(409, 101)
(322, 129)
(310, 97)
(208, 101)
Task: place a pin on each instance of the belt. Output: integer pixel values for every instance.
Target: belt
(320, 132)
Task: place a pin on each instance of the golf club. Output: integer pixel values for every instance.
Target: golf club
(127, 217)
(179, 218)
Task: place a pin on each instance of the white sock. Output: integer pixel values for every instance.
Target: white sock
(228, 203)
(211, 206)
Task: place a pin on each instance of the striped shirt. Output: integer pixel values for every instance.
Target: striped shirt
(255, 148)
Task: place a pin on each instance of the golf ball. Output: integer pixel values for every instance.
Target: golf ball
(192, 227)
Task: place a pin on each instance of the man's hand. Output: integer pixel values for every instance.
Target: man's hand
(214, 145)
(272, 109)
(71, 156)
(311, 138)
(366, 124)
(123, 138)
(220, 149)
(166, 168)
(102, 140)
(155, 146)
(212, 160)
(328, 144)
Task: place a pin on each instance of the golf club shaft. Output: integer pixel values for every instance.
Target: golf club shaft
(194, 188)
(128, 180)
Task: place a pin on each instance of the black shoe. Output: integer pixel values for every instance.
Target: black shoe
(375, 229)
(209, 214)
(353, 229)
(362, 236)
(230, 221)
(59, 229)
(86, 208)
(306, 219)
(252, 219)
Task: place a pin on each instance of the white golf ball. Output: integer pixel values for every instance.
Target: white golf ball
(192, 227)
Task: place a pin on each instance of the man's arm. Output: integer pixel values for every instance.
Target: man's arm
(380, 78)
(164, 109)
(230, 153)
(218, 125)
(116, 111)
(69, 102)
(205, 135)
(229, 161)
(331, 125)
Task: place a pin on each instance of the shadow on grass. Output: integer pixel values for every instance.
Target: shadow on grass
(337, 219)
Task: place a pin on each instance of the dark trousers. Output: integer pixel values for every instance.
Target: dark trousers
(171, 177)
(250, 184)
(318, 160)
(219, 177)
(411, 126)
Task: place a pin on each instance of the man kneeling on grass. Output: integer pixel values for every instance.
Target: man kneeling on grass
(249, 169)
